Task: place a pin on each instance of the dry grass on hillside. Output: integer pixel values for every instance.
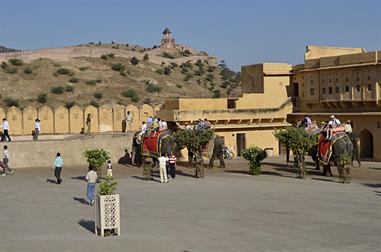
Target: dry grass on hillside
(84, 81)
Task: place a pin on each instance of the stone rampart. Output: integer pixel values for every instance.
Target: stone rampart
(66, 53)
(61, 120)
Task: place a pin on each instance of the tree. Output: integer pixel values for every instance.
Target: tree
(96, 158)
(299, 141)
(146, 57)
(194, 139)
(134, 61)
(254, 155)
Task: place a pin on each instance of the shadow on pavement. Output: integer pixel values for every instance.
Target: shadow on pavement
(52, 181)
(78, 177)
(143, 178)
(377, 185)
(181, 173)
(80, 200)
(87, 224)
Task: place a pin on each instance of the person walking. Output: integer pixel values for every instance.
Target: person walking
(58, 163)
(109, 169)
(172, 166)
(6, 161)
(37, 129)
(88, 124)
(5, 127)
(163, 169)
(129, 119)
(91, 178)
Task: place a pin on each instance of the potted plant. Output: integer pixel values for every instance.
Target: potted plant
(107, 209)
(96, 158)
(254, 155)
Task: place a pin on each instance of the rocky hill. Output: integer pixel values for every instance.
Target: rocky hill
(124, 75)
(4, 49)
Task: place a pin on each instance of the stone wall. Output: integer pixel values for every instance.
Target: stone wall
(26, 154)
(66, 53)
(61, 120)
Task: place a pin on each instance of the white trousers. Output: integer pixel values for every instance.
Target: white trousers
(163, 174)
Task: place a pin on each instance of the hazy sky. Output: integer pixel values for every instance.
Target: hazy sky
(241, 32)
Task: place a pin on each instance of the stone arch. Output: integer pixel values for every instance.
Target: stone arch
(119, 112)
(146, 111)
(105, 119)
(157, 108)
(366, 144)
(61, 120)
(75, 119)
(46, 116)
(29, 115)
(136, 117)
(14, 117)
(93, 111)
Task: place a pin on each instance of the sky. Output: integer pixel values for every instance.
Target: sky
(240, 32)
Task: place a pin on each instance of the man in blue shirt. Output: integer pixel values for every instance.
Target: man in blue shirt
(58, 163)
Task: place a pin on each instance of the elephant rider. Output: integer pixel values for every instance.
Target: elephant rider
(332, 123)
(306, 121)
(348, 127)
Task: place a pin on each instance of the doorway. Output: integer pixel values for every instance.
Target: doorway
(366, 144)
(241, 143)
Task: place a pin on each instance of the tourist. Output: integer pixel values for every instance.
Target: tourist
(58, 163)
(332, 123)
(167, 165)
(91, 178)
(348, 127)
(162, 125)
(5, 127)
(6, 160)
(144, 128)
(37, 129)
(88, 124)
(109, 169)
(149, 121)
(172, 166)
(306, 121)
(207, 124)
(129, 119)
(163, 169)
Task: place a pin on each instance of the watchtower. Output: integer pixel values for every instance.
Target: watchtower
(167, 41)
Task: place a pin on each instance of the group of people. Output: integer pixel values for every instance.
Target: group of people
(153, 124)
(167, 167)
(200, 125)
(328, 126)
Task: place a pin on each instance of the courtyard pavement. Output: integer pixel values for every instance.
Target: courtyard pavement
(228, 210)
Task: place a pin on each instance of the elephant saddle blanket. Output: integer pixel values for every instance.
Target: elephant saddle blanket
(151, 143)
(325, 146)
(207, 149)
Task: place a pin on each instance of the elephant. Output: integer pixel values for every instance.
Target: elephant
(217, 152)
(341, 148)
(167, 146)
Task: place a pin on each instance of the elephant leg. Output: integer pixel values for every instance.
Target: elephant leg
(341, 170)
(202, 171)
(211, 162)
(348, 173)
(222, 162)
(197, 171)
(317, 165)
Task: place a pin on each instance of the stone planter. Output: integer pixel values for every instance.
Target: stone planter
(107, 214)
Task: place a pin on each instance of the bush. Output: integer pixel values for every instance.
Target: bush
(57, 90)
(10, 70)
(146, 57)
(111, 55)
(216, 93)
(83, 68)
(179, 86)
(135, 99)
(74, 80)
(123, 73)
(129, 93)
(209, 77)
(70, 104)
(210, 69)
(98, 81)
(159, 71)
(69, 88)
(108, 187)
(151, 88)
(173, 65)
(64, 71)
(15, 62)
(168, 55)
(42, 98)
(118, 67)
(94, 103)
(134, 61)
(91, 82)
(10, 102)
(199, 63)
(98, 95)
(96, 158)
(254, 155)
(28, 70)
(167, 71)
(186, 53)
(104, 57)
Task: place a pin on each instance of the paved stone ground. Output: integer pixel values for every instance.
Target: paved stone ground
(229, 210)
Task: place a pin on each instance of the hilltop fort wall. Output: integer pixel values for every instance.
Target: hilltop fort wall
(66, 53)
